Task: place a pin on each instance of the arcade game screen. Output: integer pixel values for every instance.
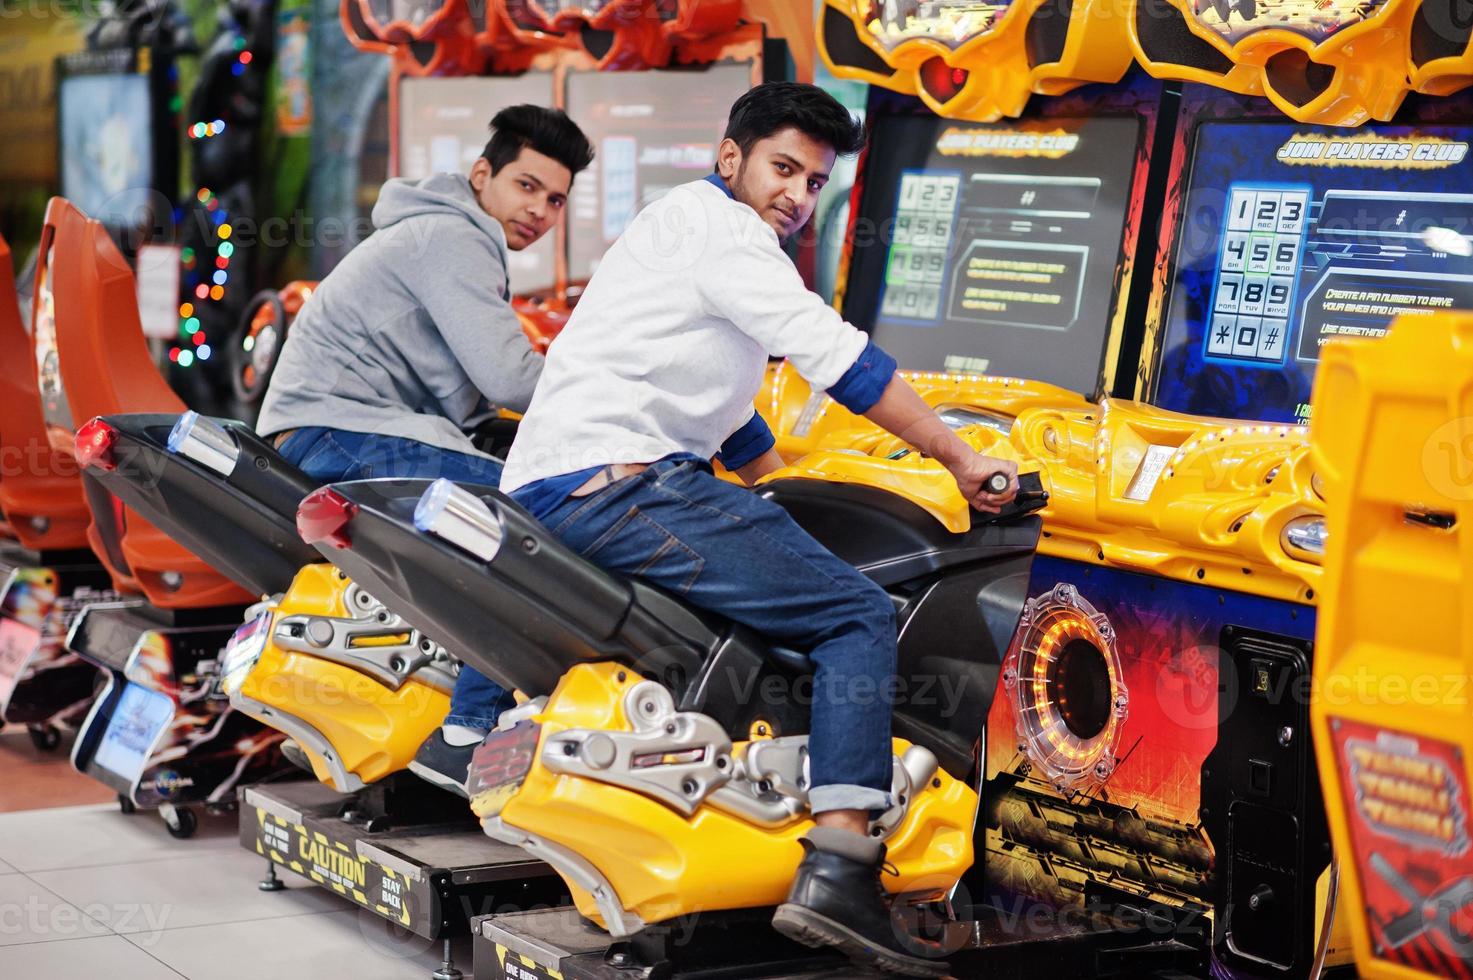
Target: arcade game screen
(444, 126)
(107, 146)
(140, 716)
(993, 249)
(652, 131)
(1291, 235)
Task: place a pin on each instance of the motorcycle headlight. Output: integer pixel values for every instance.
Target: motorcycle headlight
(242, 651)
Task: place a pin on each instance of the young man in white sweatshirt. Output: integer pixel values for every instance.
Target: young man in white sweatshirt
(654, 374)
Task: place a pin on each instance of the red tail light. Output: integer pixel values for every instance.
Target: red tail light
(942, 81)
(324, 515)
(94, 445)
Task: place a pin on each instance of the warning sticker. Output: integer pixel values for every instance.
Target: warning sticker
(1407, 803)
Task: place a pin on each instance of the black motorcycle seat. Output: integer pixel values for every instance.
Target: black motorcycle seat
(243, 525)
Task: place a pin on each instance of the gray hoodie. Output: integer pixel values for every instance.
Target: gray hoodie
(412, 330)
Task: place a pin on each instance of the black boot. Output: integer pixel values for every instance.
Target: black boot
(837, 900)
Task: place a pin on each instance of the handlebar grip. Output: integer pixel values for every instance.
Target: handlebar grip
(997, 483)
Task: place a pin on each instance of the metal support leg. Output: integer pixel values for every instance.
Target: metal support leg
(447, 969)
(271, 883)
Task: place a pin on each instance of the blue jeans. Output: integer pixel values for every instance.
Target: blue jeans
(338, 456)
(733, 553)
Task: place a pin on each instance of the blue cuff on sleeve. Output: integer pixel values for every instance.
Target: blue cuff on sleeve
(864, 383)
(746, 444)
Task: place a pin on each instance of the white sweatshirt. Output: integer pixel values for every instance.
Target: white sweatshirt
(667, 347)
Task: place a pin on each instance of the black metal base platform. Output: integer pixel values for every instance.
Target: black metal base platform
(558, 944)
(431, 879)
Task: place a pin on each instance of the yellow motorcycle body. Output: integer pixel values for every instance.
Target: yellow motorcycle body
(353, 685)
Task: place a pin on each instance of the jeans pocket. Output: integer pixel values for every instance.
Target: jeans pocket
(329, 462)
(636, 544)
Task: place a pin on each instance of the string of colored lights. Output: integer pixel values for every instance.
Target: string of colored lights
(206, 282)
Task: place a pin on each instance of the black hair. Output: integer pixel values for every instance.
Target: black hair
(775, 106)
(548, 131)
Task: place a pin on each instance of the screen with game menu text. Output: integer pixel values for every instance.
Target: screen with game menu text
(1293, 235)
(993, 249)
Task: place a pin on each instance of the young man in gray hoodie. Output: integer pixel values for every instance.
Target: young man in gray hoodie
(412, 339)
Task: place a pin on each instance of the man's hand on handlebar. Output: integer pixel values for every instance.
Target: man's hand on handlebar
(986, 482)
(904, 413)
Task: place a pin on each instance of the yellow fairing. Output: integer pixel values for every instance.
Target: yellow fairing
(1137, 487)
(982, 53)
(375, 731)
(803, 420)
(1285, 47)
(873, 458)
(1393, 714)
(1189, 498)
(663, 865)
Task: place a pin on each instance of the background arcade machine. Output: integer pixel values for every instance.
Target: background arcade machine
(49, 570)
(1184, 554)
(158, 734)
(119, 146)
(651, 131)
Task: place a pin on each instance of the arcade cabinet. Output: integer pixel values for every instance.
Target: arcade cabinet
(49, 571)
(1311, 268)
(1391, 440)
(1125, 766)
(651, 131)
(119, 145)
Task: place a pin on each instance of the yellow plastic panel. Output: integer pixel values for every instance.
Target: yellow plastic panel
(975, 61)
(1188, 498)
(663, 865)
(1137, 487)
(1332, 62)
(1392, 711)
(374, 730)
(802, 419)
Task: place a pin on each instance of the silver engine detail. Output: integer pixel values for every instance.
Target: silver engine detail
(685, 759)
(348, 641)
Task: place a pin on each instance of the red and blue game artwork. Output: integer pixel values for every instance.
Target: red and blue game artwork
(1120, 696)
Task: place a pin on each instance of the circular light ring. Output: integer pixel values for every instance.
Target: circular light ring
(1060, 636)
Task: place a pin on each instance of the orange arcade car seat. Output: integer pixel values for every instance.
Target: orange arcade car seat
(40, 488)
(96, 362)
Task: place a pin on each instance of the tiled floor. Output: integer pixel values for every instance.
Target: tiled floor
(28, 775)
(88, 892)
